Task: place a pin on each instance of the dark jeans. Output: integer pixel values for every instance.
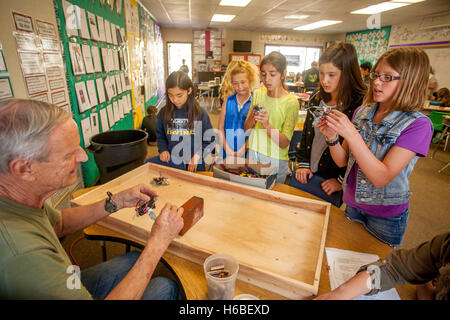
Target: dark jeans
(314, 187)
(182, 166)
(102, 278)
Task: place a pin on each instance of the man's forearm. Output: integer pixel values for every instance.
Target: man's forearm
(135, 282)
(78, 218)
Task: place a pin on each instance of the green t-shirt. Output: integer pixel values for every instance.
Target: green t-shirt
(33, 263)
(283, 114)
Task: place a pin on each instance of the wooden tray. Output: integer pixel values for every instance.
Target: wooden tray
(277, 238)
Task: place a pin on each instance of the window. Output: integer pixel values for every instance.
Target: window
(298, 58)
(176, 53)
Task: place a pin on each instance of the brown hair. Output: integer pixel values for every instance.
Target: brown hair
(278, 61)
(236, 67)
(413, 66)
(343, 56)
(181, 80)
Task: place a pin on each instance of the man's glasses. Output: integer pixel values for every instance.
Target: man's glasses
(383, 77)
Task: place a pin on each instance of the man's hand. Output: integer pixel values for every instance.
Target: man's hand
(168, 224)
(164, 156)
(128, 198)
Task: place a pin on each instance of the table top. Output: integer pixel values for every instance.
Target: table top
(342, 233)
(437, 108)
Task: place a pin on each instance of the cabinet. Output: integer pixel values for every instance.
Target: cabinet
(252, 58)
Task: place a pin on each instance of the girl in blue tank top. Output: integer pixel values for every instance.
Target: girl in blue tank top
(239, 78)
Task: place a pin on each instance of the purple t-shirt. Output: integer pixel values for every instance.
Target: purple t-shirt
(416, 137)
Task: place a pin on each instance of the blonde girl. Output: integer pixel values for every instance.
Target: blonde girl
(236, 91)
(383, 143)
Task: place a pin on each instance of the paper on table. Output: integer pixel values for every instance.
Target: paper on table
(344, 264)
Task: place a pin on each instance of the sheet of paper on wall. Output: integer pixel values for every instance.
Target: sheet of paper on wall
(82, 23)
(121, 110)
(116, 111)
(31, 63)
(93, 26)
(113, 34)
(26, 41)
(104, 120)
(128, 100)
(82, 97)
(5, 88)
(86, 130)
(112, 81)
(100, 90)
(108, 89)
(76, 57)
(344, 264)
(105, 59)
(111, 119)
(108, 31)
(96, 59)
(101, 29)
(118, 84)
(95, 125)
(116, 59)
(70, 18)
(87, 57)
(92, 92)
(122, 82)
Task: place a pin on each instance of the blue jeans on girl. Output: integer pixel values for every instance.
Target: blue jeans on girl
(388, 230)
(313, 186)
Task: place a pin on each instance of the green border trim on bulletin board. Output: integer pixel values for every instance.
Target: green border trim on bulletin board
(91, 173)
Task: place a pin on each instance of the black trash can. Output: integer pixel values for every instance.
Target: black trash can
(117, 152)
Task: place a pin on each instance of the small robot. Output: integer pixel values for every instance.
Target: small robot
(143, 207)
(160, 181)
(320, 112)
(257, 109)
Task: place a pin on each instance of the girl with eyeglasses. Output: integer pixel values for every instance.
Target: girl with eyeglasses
(383, 143)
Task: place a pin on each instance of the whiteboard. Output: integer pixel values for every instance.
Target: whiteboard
(440, 61)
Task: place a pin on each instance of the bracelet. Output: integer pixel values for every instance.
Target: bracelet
(332, 142)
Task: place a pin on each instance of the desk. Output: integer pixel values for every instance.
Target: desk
(445, 135)
(427, 109)
(342, 234)
(210, 100)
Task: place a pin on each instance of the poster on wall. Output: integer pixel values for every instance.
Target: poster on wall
(23, 22)
(369, 44)
(77, 59)
(5, 88)
(32, 63)
(45, 29)
(36, 84)
(3, 67)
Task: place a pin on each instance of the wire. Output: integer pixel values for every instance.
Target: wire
(71, 247)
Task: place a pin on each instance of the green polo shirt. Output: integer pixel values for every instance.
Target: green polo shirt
(33, 263)
(283, 114)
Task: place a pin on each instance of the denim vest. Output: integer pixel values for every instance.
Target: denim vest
(379, 139)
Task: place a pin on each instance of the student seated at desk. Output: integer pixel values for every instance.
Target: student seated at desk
(149, 124)
(443, 96)
(33, 263)
(428, 261)
(182, 127)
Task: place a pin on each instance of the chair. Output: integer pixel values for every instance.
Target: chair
(437, 119)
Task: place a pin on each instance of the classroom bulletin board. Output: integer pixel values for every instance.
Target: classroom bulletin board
(369, 44)
(95, 52)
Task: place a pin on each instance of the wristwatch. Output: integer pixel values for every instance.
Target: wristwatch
(110, 206)
(333, 142)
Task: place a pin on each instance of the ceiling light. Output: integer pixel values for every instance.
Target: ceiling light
(381, 7)
(222, 17)
(297, 16)
(234, 3)
(318, 24)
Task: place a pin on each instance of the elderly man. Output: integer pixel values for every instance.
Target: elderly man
(39, 155)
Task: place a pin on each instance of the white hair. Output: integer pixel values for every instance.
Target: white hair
(24, 129)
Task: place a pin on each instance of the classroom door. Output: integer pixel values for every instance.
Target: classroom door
(176, 53)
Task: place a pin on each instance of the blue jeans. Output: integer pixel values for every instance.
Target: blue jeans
(102, 278)
(182, 166)
(314, 187)
(388, 230)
